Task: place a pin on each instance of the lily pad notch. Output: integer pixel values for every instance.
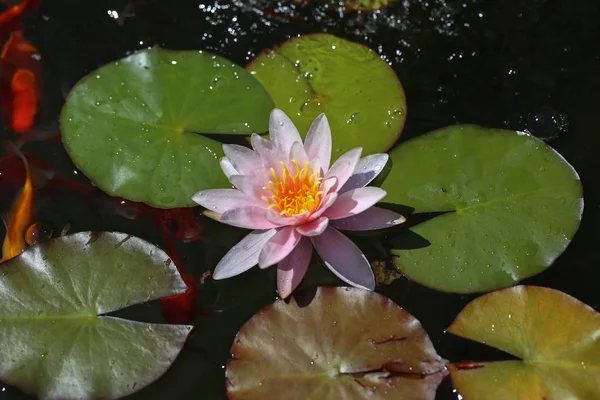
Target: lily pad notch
(510, 206)
(58, 344)
(554, 335)
(320, 73)
(135, 126)
(342, 343)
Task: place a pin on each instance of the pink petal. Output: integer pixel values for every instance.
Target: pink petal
(344, 259)
(280, 220)
(325, 204)
(243, 255)
(278, 247)
(313, 228)
(318, 141)
(292, 269)
(297, 153)
(365, 171)
(247, 217)
(328, 185)
(315, 164)
(222, 200)
(227, 167)
(249, 186)
(354, 202)
(270, 155)
(344, 166)
(282, 131)
(370, 219)
(242, 158)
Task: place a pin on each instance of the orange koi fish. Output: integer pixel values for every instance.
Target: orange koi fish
(20, 217)
(22, 73)
(181, 307)
(10, 20)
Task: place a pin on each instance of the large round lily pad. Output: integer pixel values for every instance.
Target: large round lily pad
(512, 205)
(321, 73)
(135, 127)
(347, 343)
(54, 342)
(554, 335)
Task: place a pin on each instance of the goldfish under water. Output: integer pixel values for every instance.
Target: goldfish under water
(20, 80)
(19, 218)
(182, 307)
(11, 19)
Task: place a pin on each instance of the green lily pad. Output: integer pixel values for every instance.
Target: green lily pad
(135, 127)
(512, 205)
(347, 343)
(321, 73)
(554, 335)
(54, 342)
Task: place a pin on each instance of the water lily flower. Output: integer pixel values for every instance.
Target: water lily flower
(294, 201)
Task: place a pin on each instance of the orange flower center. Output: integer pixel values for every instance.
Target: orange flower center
(294, 194)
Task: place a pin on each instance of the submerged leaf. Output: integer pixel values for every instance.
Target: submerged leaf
(135, 127)
(348, 343)
(55, 344)
(367, 5)
(321, 73)
(554, 335)
(511, 206)
(384, 275)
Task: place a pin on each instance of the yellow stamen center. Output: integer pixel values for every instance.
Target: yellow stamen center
(294, 194)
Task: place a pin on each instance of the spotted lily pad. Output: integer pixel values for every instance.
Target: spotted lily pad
(554, 335)
(55, 342)
(510, 204)
(347, 343)
(136, 127)
(321, 73)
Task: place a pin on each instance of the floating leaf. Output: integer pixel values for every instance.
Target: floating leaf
(359, 92)
(554, 334)
(134, 127)
(512, 205)
(367, 5)
(347, 343)
(55, 344)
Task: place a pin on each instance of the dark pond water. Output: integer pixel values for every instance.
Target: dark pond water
(530, 64)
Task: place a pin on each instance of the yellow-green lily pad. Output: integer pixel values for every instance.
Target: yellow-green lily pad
(367, 5)
(510, 206)
(554, 335)
(136, 126)
(321, 73)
